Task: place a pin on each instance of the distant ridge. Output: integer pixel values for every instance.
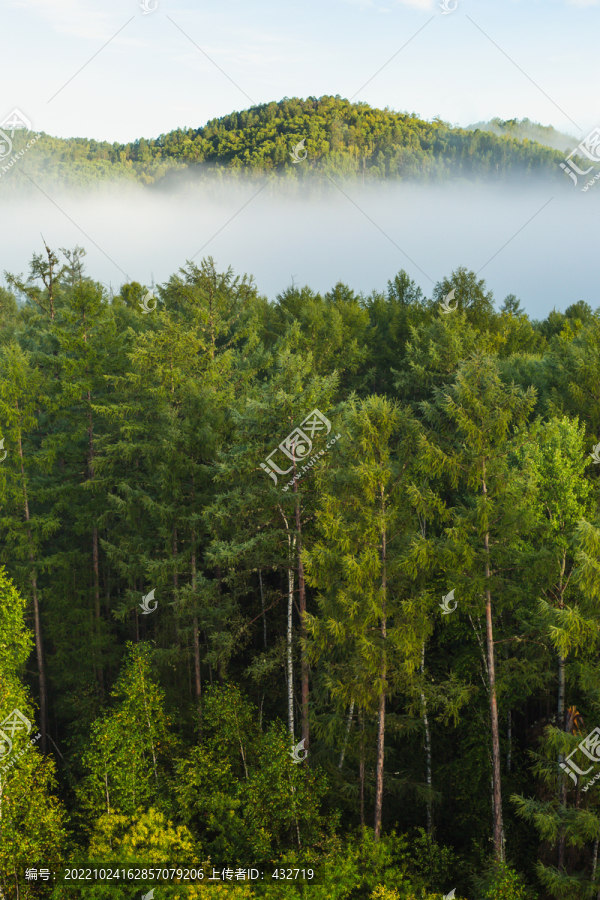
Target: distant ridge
(350, 140)
(525, 129)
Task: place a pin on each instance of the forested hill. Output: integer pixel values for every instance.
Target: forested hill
(343, 138)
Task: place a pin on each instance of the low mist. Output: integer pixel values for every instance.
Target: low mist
(546, 256)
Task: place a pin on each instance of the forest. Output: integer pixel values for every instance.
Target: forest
(351, 140)
(310, 581)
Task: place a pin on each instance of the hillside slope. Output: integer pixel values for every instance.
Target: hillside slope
(343, 138)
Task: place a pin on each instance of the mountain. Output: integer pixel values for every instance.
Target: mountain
(341, 138)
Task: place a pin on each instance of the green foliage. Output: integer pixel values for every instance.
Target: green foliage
(240, 790)
(342, 138)
(435, 863)
(501, 882)
(130, 747)
(33, 822)
(456, 458)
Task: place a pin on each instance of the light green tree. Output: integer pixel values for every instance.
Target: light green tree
(32, 820)
(130, 745)
(365, 631)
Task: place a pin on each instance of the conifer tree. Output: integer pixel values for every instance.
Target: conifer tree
(361, 625)
(21, 392)
(471, 426)
(557, 463)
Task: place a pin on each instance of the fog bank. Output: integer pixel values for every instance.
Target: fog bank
(319, 238)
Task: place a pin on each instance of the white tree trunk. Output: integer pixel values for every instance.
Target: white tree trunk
(348, 725)
(427, 747)
(290, 662)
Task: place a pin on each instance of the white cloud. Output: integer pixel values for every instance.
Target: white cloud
(78, 18)
(417, 4)
(372, 4)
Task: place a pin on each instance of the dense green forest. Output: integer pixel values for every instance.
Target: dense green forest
(342, 138)
(361, 529)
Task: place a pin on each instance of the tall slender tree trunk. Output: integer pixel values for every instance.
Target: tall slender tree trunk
(37, 624)
(496, 777)
(560, 712)
(49, 280)
(380, 756)
(262, 603)
(361, 767)
(39, 650)
(97, 603)
(427, 748)
(175, 584)
(562, 781)
(196, 639)
(493, 802)
(381, 712)
(96, 573)
(595, 864)
(348, 726)
(302, 606)
(175, 578)
(561, 692)
(489, 631)
(95, 564)
(290, 662)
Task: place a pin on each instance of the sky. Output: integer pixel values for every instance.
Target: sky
(113, 71)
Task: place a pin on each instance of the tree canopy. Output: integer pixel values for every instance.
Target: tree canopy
(309, 581)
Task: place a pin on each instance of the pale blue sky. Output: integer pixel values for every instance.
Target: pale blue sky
(151, 78)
